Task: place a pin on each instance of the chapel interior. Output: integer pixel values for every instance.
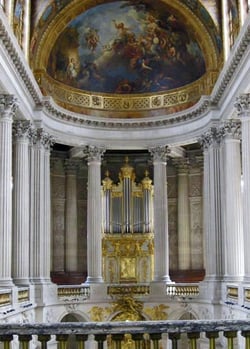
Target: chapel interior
(124, 161)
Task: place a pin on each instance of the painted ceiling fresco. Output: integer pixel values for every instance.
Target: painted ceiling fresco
(126, 47)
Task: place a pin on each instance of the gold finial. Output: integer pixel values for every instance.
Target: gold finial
(127, 170)
(146, 182)
(107, 181)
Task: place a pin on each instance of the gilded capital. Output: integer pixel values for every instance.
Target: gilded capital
(93, 153)
(8, 106)
(160, 153)
(242, 105)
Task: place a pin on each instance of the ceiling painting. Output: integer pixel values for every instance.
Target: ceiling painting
(125, 48)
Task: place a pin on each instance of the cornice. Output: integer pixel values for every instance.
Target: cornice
(240, 49)
(58, 113)
(52, 110)
(18, 60)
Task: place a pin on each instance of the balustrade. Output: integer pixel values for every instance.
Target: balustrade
(139, 334)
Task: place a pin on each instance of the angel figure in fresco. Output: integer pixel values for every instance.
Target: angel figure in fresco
(92, 39)
(122, 30)
(72, 69)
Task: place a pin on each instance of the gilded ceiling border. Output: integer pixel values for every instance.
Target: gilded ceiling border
(73, 99)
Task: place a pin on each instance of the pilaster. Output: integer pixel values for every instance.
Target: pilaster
(71, 216)
(243, 107)
(184, 253)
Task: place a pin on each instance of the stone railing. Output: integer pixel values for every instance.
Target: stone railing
(147, 334)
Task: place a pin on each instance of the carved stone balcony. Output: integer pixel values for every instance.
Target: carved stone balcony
(142, 334)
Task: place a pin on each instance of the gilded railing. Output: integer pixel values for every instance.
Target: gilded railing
(141, 334)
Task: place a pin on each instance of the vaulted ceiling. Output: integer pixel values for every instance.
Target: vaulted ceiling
(126, 59)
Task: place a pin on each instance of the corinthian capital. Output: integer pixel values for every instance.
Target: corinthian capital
(213, 136)
(231, 129)
(160, 153)
(93, 153)
(41, 137)
(8, 105)
(242, 105)
(21, 129)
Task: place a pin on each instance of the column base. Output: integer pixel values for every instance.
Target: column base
(94, 280)
(21, 282)
(8, 282)
(164, 278)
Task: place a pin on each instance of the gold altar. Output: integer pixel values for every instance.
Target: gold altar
(128, 258)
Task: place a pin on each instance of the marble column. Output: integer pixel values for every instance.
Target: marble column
(8, 107)
(213, 235)
(21, 207)
(243, 107)
(40, 210)
(232, 205)
(94, 215)
(71, 216)
(184, 254)
(161, 253)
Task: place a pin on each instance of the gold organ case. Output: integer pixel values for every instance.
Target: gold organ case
(128, 240)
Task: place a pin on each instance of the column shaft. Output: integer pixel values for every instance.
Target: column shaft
(7, 108)
(40, 207)
(212, 205)
(94, 217)
(21, 203)
(161, 264)
(234, 267)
